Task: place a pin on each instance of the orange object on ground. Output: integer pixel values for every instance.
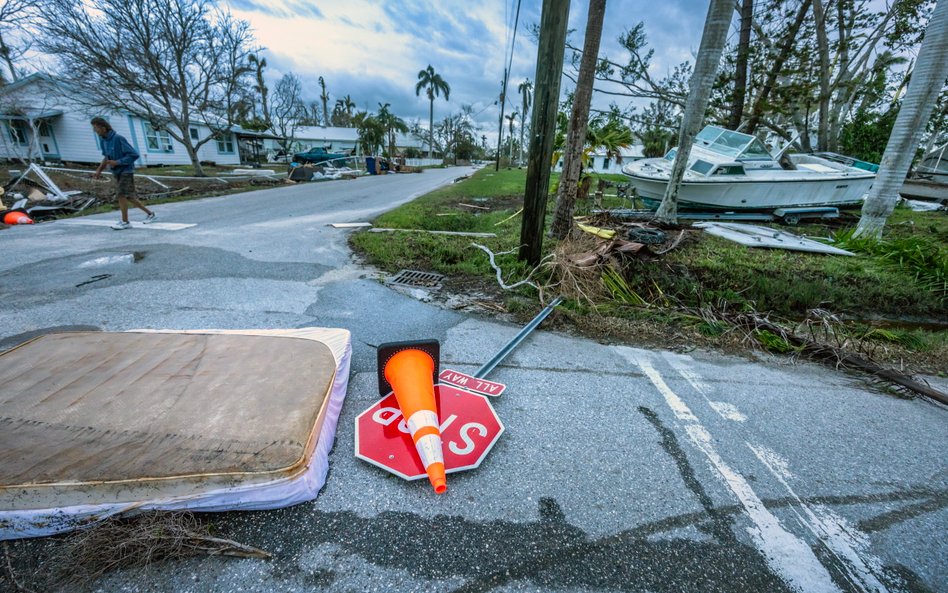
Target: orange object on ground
(410, 374)
(16, 218)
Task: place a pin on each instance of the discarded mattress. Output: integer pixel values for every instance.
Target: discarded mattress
(93, 425)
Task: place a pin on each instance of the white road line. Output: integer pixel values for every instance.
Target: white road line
(155, 226)
(788, 556)
(724, 409)
(845, 542)
(842, 539)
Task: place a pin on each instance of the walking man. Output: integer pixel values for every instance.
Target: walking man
(119, 155)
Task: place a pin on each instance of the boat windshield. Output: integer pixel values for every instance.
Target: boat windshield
(732, 144)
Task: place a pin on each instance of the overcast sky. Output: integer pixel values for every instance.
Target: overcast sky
(374, 50)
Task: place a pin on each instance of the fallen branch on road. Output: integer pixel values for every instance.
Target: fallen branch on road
(834, 355)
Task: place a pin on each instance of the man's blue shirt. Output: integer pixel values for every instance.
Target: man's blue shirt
(117, 148)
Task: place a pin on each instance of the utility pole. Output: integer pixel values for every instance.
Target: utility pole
(552, 47)
(500, 123)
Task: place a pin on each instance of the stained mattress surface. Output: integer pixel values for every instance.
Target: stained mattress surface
(87, 418)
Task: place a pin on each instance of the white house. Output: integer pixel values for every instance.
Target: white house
(39, 120)
(602, 163)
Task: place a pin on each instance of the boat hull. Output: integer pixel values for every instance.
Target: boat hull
(755, 195)
(925, 189)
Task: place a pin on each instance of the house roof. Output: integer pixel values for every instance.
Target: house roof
(327, 134)
(31, 114)
(70, 89)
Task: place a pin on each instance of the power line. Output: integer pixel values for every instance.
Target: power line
(503, 91)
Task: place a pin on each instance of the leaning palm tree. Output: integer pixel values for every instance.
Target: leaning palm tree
(928, 79)
(434, 85)
(526, 93)
(713, 39)
(578, 123)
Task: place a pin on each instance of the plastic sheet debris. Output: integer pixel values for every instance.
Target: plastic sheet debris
(751, 235)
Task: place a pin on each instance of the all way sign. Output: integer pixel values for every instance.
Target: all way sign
(470, 383)
(469, 429)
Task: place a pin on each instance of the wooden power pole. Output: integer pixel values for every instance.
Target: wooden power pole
(546, 99)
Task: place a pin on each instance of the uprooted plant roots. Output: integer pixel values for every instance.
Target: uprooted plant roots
(139, 542)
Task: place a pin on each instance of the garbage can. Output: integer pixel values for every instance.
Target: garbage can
(370, 165)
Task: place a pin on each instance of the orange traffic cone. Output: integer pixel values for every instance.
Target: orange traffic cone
(410, 373)
(15, 217)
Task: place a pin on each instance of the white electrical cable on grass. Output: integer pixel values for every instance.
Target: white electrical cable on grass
(500, 280)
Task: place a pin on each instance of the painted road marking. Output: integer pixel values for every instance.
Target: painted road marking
(788, 556)
(156, 226)
(724, 409)
(845, 542)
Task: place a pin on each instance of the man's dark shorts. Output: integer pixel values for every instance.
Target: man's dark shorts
(124, 185)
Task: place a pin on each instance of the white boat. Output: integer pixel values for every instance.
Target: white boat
(929, 179)
(733, 171)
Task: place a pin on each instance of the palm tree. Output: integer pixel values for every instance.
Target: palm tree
(928, 77)
(526, 93)
(511, 119)
(261, 87)
(371, 132)
(391, 123)
(348, 105)
(713, 39)
(434, 85)
(578, 122)
(325, 98)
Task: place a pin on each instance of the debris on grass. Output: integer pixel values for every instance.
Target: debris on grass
(817, 346)
(454, 233)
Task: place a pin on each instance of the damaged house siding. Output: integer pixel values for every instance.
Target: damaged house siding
(71, 137)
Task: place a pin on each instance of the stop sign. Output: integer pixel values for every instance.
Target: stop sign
(469, 428)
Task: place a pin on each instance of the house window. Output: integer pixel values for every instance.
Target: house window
(194, 134)
(157, 140)
(605, 163)
(17, 132)
(44, 129)
(225, 144)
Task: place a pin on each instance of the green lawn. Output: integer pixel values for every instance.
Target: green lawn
(703, 272)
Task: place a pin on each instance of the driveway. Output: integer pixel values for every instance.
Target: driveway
(621, 469)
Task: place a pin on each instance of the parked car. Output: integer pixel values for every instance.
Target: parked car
(318, 156)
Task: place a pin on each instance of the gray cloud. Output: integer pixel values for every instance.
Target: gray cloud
(468, 51)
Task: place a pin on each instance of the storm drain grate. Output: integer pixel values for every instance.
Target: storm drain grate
(417, 279)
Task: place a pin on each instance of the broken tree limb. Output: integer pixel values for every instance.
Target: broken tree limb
(837, 356)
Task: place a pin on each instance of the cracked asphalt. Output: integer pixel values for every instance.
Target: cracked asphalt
(620, 469)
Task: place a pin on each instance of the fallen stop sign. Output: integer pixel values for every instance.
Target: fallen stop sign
(469, 428)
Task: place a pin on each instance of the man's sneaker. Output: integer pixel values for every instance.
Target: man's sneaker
(121, 225)
(150, 218)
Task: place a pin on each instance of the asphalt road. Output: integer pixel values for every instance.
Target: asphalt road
(620, 469)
